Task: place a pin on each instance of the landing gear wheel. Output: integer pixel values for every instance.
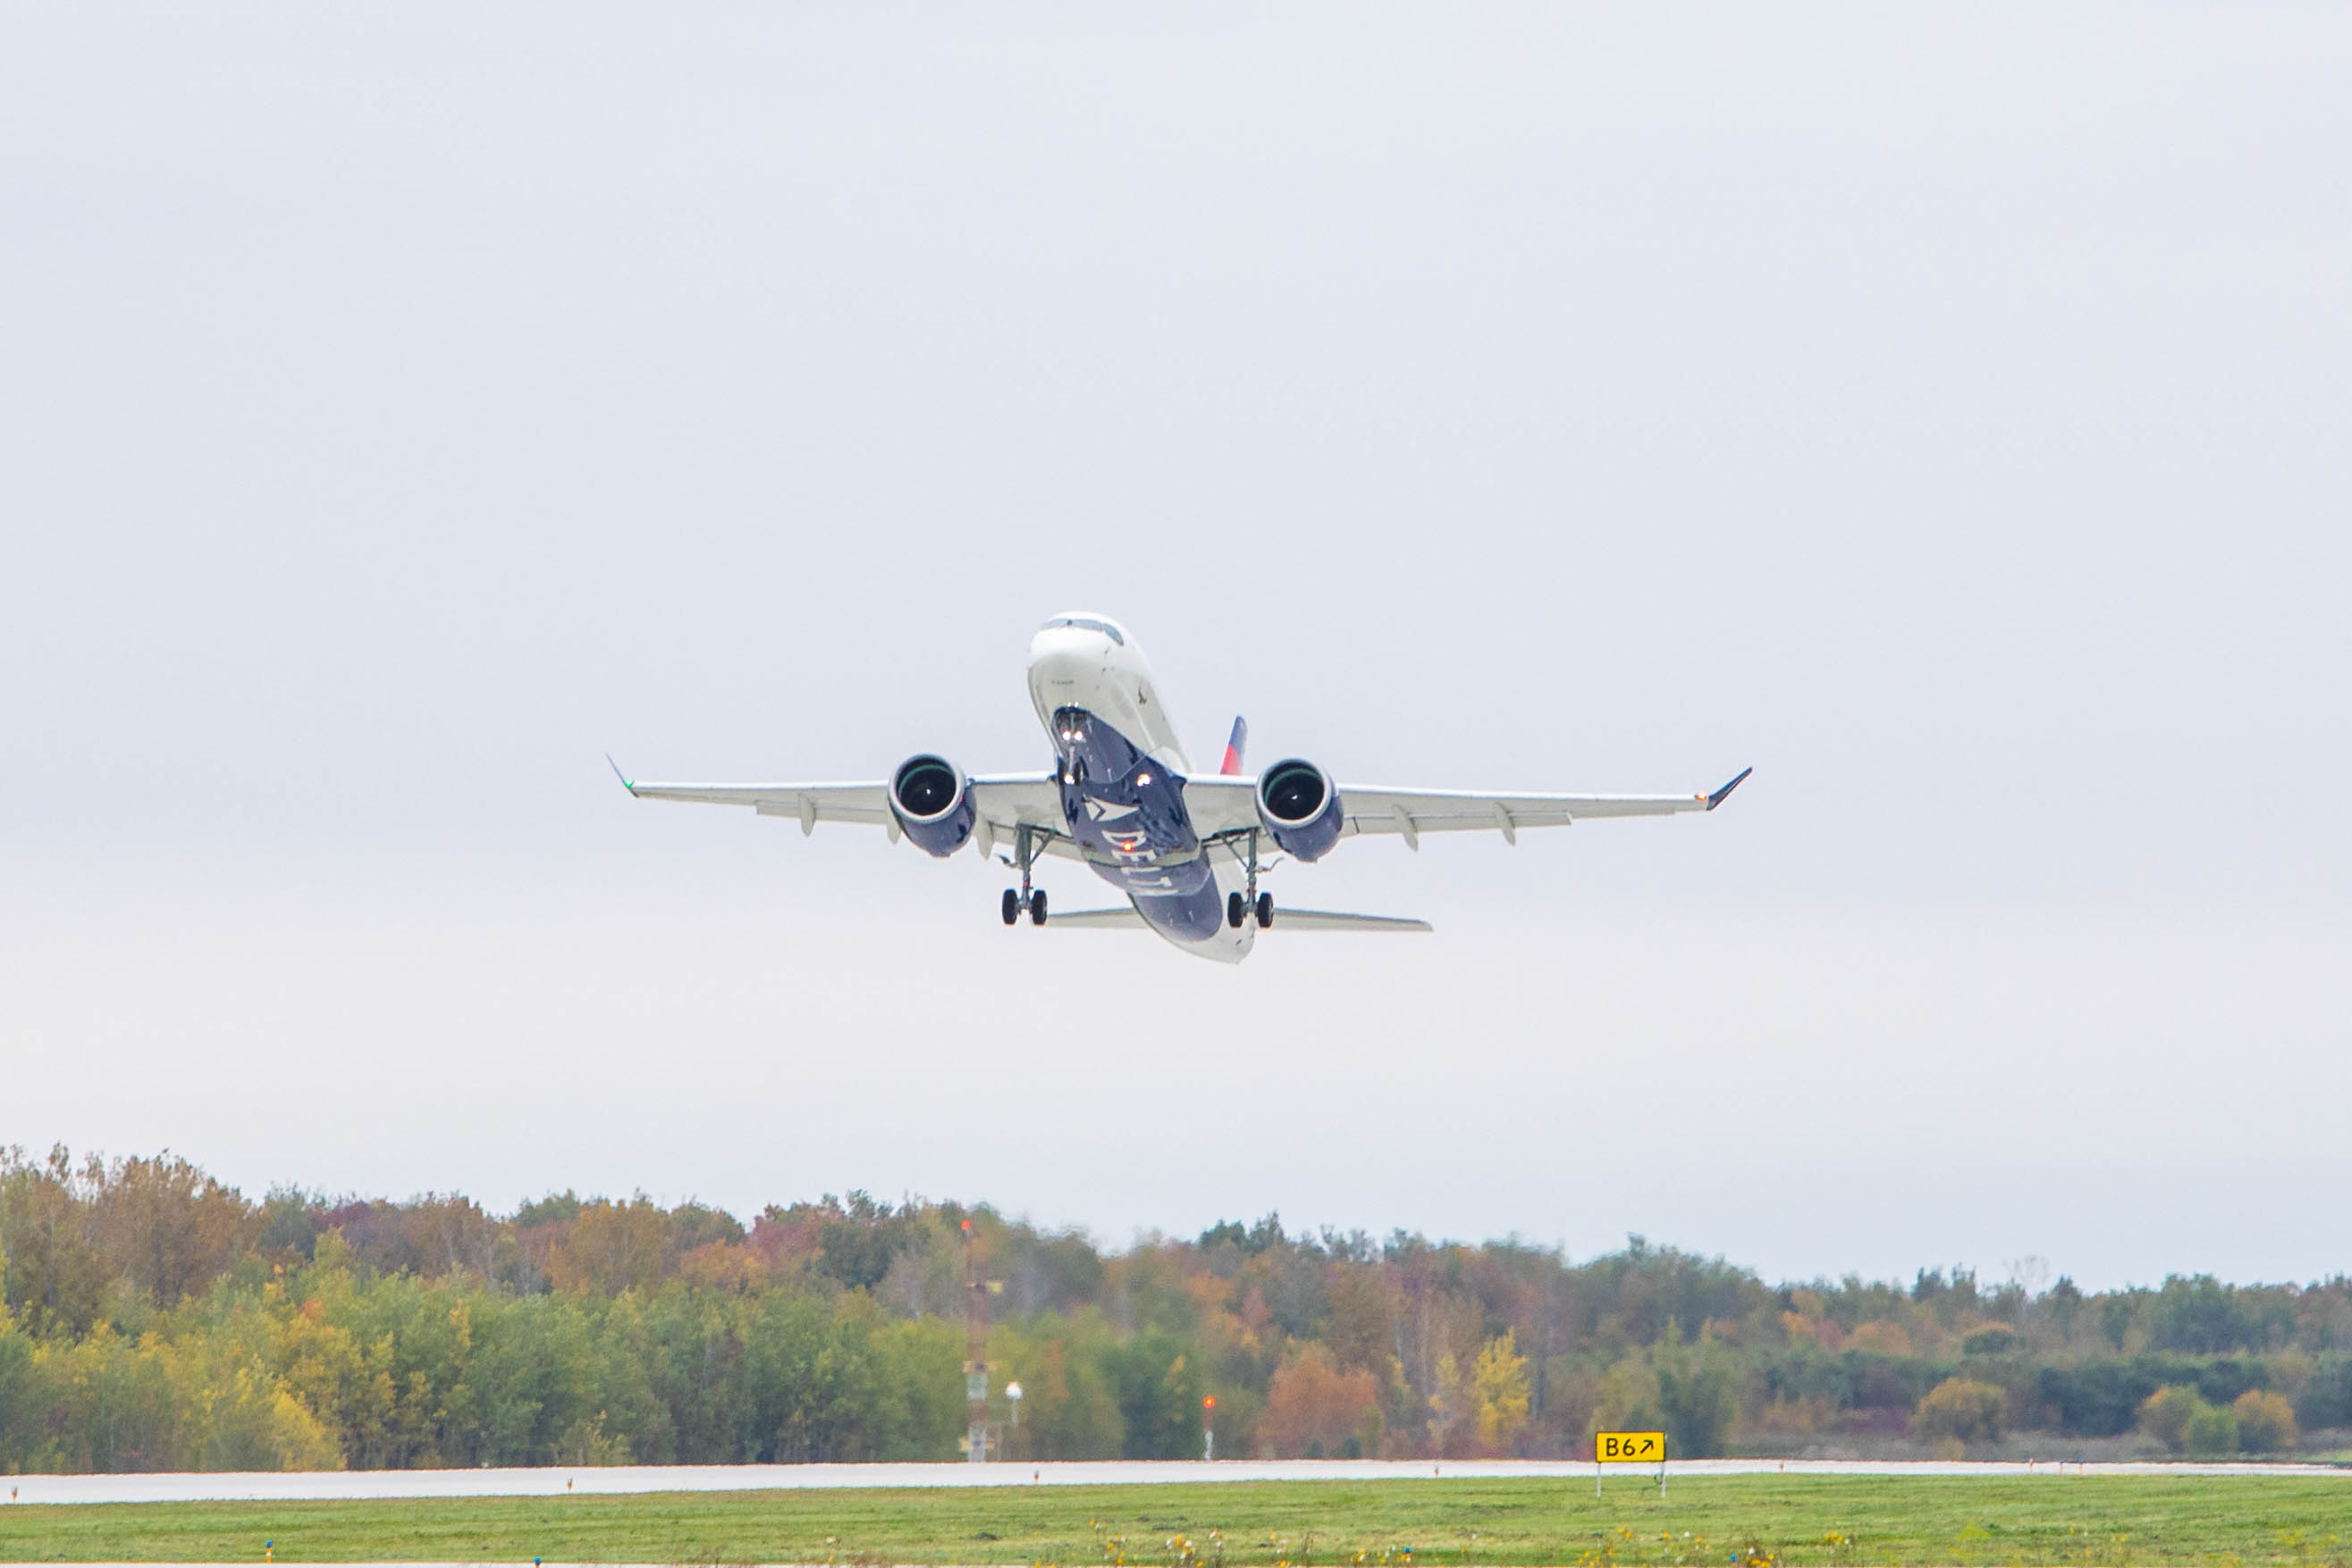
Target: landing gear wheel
(1234, 910)
(1265, 910)
(1025, 855)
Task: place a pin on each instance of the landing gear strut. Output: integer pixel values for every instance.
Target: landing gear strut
(1243, 906)
(1026, 897)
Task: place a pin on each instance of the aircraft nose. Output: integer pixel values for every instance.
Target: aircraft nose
(1061, 663)
(1063, 647)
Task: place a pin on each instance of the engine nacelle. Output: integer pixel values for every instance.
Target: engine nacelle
(1300, 808)
(932, 801)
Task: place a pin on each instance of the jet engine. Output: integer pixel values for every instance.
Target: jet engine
(932, 801)
(1300, 808)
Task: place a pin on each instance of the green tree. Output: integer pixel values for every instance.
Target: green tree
(807, 1384)
(56, 1277)
(2065, 1303)
(1698, 1395)
(1070, 1409)
(2210, 1430)
(22, 1441)
(858, 1242)
(1628, 1398)
(1158, 1388)
(2164, 1415)
(920, 1409)
(1961, 1409)
(2200, 1315)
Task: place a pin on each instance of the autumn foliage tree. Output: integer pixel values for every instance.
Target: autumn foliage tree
(2265, 1422)
(1314, 1411)
(165, 1226)
(151, 1317)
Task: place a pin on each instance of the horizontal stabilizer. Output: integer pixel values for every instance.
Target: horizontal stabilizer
(1284, 920)
(1326, 920)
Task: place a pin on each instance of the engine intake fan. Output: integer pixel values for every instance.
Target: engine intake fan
(1300, 808)
(932, 801)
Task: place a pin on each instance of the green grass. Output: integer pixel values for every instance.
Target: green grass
(2121, 1519)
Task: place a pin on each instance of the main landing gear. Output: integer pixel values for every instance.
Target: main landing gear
(1025, 896)
(1240, 907)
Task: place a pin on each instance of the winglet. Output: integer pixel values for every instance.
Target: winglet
(1719, 796)
(633, 789)
(1234, 747)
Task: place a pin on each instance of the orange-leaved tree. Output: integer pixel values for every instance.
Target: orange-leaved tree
(1314, 1410)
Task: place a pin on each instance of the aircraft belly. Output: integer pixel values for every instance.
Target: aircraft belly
(1126, 811)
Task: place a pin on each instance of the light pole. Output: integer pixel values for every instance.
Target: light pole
(1208, 1426)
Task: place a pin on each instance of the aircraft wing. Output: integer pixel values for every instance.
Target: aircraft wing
(811, 803)
(1226, 806)
(1006, 801)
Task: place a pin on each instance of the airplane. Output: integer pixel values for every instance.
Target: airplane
(1185, 848)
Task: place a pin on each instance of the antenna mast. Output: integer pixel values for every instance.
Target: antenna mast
(975, 1362)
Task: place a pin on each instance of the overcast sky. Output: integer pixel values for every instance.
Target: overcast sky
(1946, 411)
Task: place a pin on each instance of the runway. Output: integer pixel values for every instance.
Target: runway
(334, 1485)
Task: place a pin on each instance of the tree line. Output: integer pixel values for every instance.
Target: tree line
(157, 1319)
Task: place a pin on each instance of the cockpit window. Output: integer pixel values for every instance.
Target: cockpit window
(1088, 623)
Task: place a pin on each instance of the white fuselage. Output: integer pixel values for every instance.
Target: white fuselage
(1122, 771)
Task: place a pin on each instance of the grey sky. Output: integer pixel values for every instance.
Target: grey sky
(1945, 412)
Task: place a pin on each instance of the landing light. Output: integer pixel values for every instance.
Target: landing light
(1143, 778)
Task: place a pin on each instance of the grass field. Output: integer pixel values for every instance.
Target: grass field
(1326, 1524)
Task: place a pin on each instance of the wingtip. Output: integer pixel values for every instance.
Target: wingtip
(1719, 796)
(620, 775)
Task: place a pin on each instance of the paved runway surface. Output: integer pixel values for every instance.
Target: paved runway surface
(361, 1484)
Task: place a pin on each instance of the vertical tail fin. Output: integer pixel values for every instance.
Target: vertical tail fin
(1234, 747)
